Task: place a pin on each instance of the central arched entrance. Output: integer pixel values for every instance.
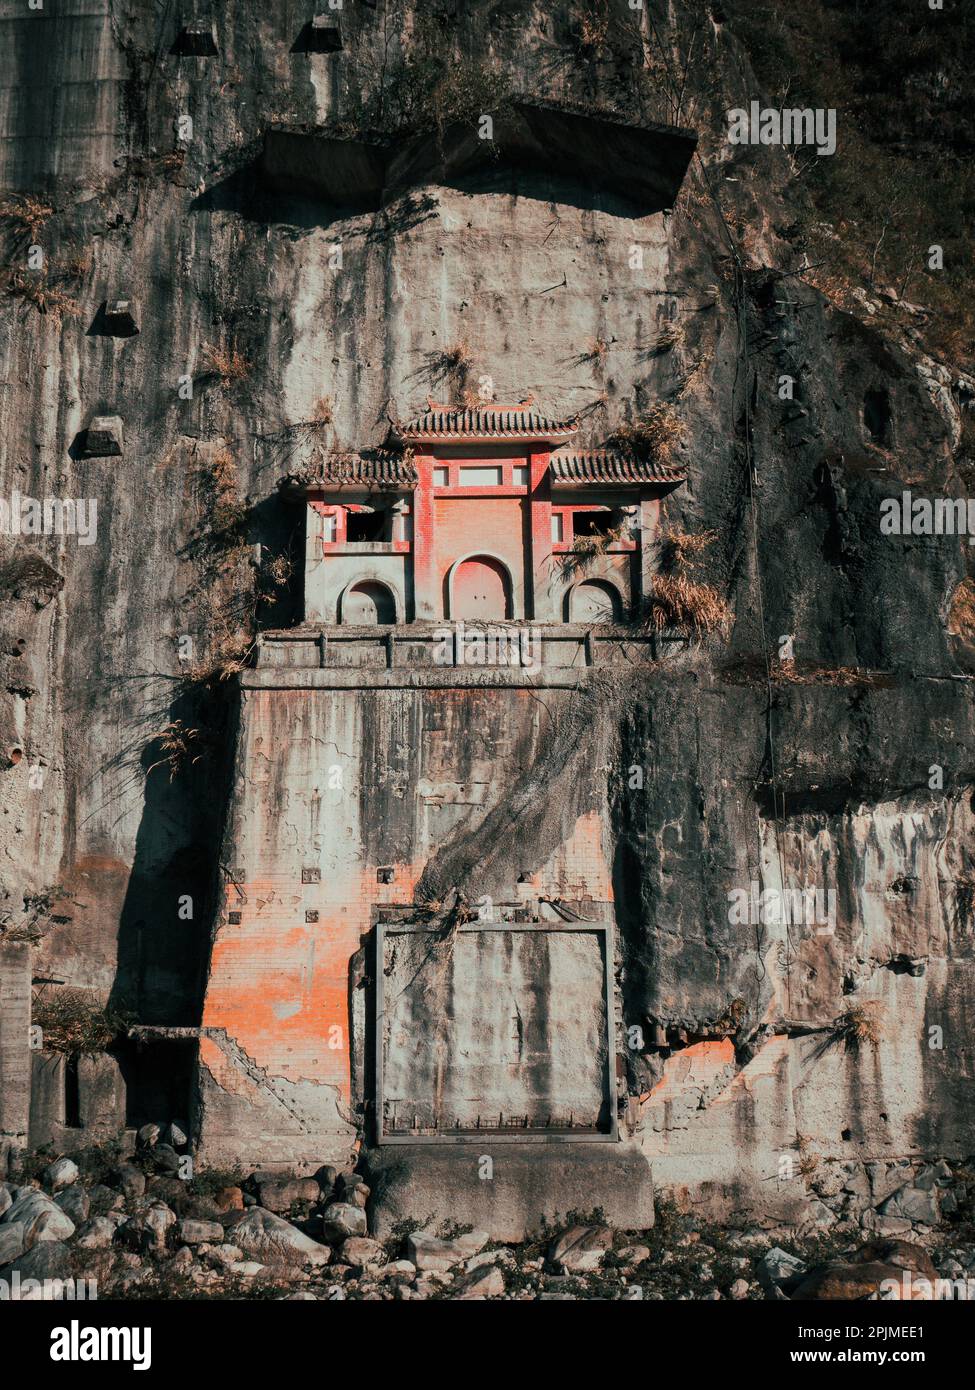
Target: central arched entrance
(479, 587)
(367, 604)
(594, 601)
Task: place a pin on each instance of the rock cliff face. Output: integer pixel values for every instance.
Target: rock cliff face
(272, 323)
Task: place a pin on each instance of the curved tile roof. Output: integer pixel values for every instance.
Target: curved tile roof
(609, 467)
(489, 421)
(384, 468)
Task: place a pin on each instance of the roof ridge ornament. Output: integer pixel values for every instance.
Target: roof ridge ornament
(488, 421)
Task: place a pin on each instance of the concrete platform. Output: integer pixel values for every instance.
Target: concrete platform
(530, 1186)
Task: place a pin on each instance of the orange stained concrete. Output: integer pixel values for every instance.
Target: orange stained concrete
(578, 868)
(696, 1065)
(280, 985)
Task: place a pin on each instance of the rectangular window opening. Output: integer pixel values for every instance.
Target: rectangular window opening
(365, 526)
(593, 524)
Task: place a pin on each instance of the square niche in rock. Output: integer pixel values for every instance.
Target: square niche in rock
(103, 437)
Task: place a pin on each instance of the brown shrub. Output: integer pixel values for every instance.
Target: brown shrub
(227, 363)
(45, 297)
(181, 747)
(27, 212)
(71, 1022)
(655, 434)
(857, 1026)
(961, 615)
(676, 603)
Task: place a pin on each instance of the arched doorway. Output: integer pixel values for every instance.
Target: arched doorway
(594, 601)
(367, 604)
(480, 588)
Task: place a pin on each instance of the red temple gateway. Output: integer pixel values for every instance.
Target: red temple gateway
(484, 514)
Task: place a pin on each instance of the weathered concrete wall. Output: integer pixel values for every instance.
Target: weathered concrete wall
(333, 785)
(15, 980)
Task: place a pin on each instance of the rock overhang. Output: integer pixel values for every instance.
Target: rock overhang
(643, 164)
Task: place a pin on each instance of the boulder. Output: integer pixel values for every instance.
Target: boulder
(61, 1173)
(483, 1283)
(851, 1281)
(913, 1204)
(885, 1225)
(6, 1198)
(580, 1249)
(281, 1194)
(148, 1228)
(96, 1234)
(431, 1255)
(166, 1159)
(42, 1218)
(163, 1187)
(362, 1253)
(194, 1232)
(74, 1202)
(228, 1199)
(819, 1215)
(130, 1179)
(148, 1136)
(104, 1199)
(934, 1175)
(777, 1266)
(634, 1254)
(896, 1252)
(887, 1178)
(175, 1136)
(13, 1241)
(50, 1259)
(325, 1177)
(268, 1237)
(341, 1220)
(350, 1188)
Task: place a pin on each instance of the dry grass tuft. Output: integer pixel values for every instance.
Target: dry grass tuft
(808, 1161)
(656, 434)
(26, 212)
(847, 677)
(670, 337)
(592, 30)
(227, 363)
(676, 603)
(181, 747)
(76, 267)
(229, 657)
(961, 615)
(681, 550)
(752, 670)
(456, 358)
(596, 351)
(46, 298)
(858, 1026)
(71, 1022)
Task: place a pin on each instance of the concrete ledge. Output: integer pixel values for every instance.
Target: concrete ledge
(441, 678)
(530, 1186)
